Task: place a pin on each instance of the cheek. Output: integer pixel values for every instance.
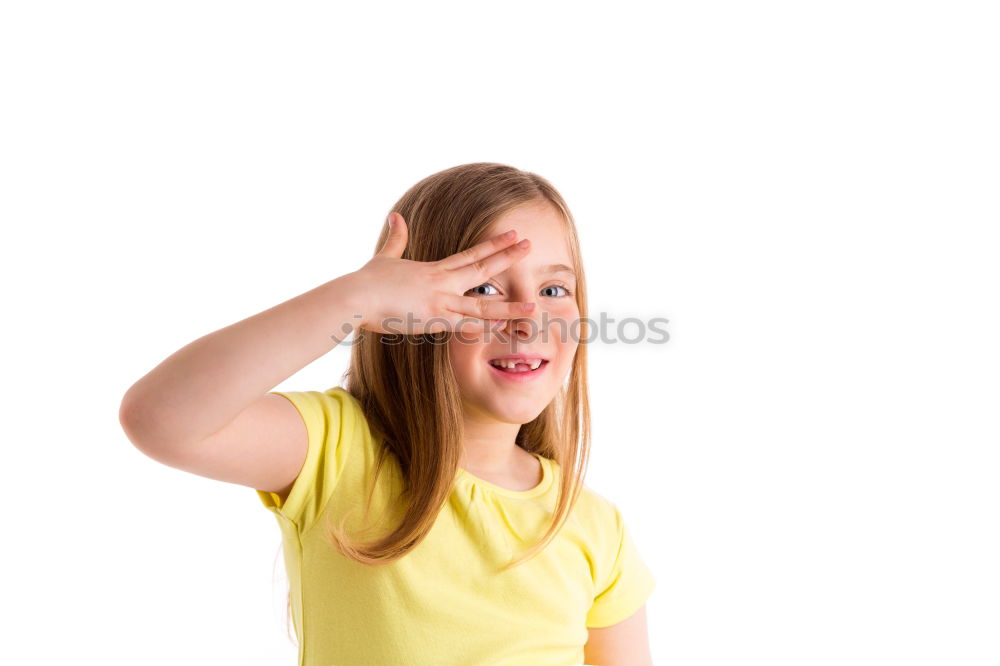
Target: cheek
(567, 310)
(563, 326)
(567, 352)
(464, 358)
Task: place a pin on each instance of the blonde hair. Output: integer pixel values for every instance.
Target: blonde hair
(408, 392)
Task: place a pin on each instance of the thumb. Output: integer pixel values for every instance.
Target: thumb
(396, 242)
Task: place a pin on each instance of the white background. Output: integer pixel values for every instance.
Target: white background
(807, 191)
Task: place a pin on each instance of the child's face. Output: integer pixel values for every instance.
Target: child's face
(488, 393)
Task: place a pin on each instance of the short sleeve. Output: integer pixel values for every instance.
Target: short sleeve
(331, 419)
(628, 586)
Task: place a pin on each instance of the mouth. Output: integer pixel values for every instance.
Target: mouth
(518, 368)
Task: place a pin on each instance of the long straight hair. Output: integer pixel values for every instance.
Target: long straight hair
(408, 392)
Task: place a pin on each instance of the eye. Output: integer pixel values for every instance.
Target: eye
(551, 286)
(559, 286)
(485, 284)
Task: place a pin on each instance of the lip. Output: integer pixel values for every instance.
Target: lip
(519, 377)
(520, 357)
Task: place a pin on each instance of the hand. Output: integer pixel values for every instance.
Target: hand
(404, 296)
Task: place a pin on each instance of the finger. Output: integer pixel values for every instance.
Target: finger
(494, 264)
(478, 251)
(396, 241)
(471, 306)
(474, 325)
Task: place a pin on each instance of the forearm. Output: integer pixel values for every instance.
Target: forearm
(204, 385)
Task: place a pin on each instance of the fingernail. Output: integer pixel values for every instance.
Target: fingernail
(509, 234)
(528, 307)
(523, 243)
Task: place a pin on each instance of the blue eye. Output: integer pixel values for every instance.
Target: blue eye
(485, 284)
(558, 286)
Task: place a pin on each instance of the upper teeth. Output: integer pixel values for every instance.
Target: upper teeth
(512, 363)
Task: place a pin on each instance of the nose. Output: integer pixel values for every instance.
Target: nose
(523, 328)
(520, 327)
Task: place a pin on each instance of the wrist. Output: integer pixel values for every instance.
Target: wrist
(356, 294)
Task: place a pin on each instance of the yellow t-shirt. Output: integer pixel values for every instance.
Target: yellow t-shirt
(443, 603)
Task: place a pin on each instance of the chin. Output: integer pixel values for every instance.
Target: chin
(524, 411)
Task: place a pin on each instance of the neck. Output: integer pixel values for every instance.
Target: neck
(490, 446)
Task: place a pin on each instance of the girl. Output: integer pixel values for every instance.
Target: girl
(432, 510)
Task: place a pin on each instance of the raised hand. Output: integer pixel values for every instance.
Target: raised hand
(413, 297)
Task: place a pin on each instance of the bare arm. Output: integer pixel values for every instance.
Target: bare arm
(622, 644)
(206, 408)
(203, 386)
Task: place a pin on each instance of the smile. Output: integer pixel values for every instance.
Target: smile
(523, 370)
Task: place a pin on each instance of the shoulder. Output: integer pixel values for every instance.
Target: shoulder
(343, 396)
(595, 502)
(334, 406)
(591, 506)
(597, 515)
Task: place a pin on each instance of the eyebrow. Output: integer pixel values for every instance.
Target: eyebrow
(557, 268)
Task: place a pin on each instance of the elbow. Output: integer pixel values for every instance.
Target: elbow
(136, 420)
(129, 418)
(146, 424)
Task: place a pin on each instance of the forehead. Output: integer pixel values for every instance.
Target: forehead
(544, 226)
